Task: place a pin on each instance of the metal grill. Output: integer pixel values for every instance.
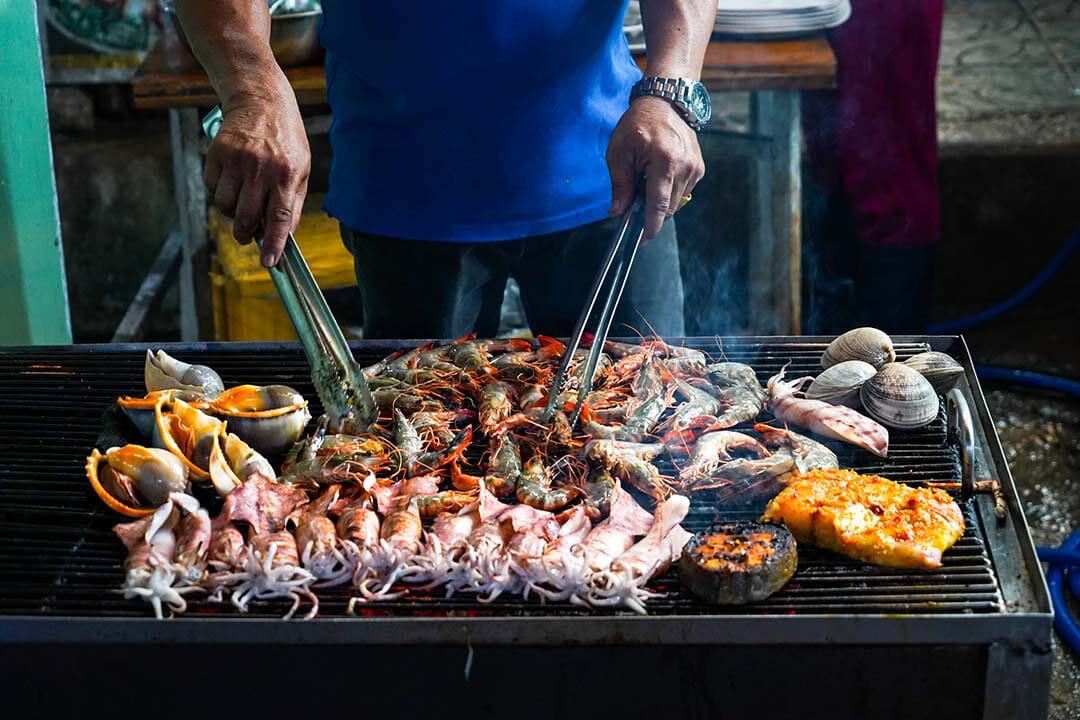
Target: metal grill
(58, 556)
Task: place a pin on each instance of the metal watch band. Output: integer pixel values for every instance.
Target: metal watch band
(674, 90)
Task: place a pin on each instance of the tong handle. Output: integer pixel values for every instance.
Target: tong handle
(338, 379)
(620, 255)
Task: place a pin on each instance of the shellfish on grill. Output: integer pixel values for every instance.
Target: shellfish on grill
(866, 343)
(186, 432)
(232, 462)
(133, 480)
(161, 371)
(900, 397)
(140, 410)
(269, 418)
(839, 384)
(940, 369)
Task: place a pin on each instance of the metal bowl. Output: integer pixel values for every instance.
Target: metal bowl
(294, 37)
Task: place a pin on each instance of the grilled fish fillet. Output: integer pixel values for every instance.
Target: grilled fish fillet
(869, 518)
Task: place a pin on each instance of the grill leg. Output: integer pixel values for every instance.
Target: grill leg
(1017, 681)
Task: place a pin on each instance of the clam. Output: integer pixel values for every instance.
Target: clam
(866, 343)
(940, 369)
(900, 397)
(839, 384)
(164, 372)
(133, 480)
(232, 462)
(140, 410)
(268, 418)
(186, 432)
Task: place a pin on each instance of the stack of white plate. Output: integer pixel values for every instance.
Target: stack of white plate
(757, 19)
(779, 18)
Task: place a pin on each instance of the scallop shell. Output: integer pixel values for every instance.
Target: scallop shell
(940, 369)
(866, 343)
(900, 397)
(839, 384)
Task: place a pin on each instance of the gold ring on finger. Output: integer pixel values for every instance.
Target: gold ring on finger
(685, 199)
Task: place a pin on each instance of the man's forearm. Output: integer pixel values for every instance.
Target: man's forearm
(231, 40)
(676, 35)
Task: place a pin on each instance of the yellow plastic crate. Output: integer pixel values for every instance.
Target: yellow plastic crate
(246, 303)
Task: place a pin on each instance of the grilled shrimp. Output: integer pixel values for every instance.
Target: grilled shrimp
(430, 506)
(599, 490)
(809, 454)
(504, 468)
(715, 448)
(534, 487)
(495, 405)
(630, 463)
(832, 421)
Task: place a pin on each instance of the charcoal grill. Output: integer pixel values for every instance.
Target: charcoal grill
(972, 639)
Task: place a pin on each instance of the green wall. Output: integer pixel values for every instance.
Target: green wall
(33, 296)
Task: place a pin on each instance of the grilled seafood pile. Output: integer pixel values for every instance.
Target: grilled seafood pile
(457, 486)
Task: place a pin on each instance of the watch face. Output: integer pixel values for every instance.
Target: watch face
(700, 104)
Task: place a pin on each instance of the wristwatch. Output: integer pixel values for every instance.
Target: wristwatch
(689, 97)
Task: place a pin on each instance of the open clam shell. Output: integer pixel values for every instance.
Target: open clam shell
(866, 343)
(133, 480)
(940, 369)
(840, 384)
(268, 418)
(164, 372)
(899, 397)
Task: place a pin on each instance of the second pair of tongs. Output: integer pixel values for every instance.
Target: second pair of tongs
(617, 263)
(338, 380)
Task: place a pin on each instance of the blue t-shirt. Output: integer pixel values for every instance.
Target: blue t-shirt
(474, 120)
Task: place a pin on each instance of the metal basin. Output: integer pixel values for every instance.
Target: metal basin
(294, 37)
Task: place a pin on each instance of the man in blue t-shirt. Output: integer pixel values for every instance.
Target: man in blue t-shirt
(472, 141)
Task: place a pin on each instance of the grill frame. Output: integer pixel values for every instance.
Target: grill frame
(1009, 651)
(1025, 617)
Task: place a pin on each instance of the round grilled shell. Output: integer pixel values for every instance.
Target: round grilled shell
(940, 369)
(739, 562)
(866, 343)
(899, 397)
(839, 384)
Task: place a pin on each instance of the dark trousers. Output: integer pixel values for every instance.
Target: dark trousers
(423, 289)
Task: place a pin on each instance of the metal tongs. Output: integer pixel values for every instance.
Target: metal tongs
(620, 256)
(338, 380)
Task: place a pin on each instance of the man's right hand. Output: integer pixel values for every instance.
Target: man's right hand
(257, 167)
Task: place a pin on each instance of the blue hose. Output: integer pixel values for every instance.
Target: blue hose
(1056, 578)
(953, 327)
(1042, 381)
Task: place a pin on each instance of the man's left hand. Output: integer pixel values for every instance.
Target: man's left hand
(653, 140)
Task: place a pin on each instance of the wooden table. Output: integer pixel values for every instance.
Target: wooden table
(773, 72)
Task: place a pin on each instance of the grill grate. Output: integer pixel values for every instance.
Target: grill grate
(58, 555)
